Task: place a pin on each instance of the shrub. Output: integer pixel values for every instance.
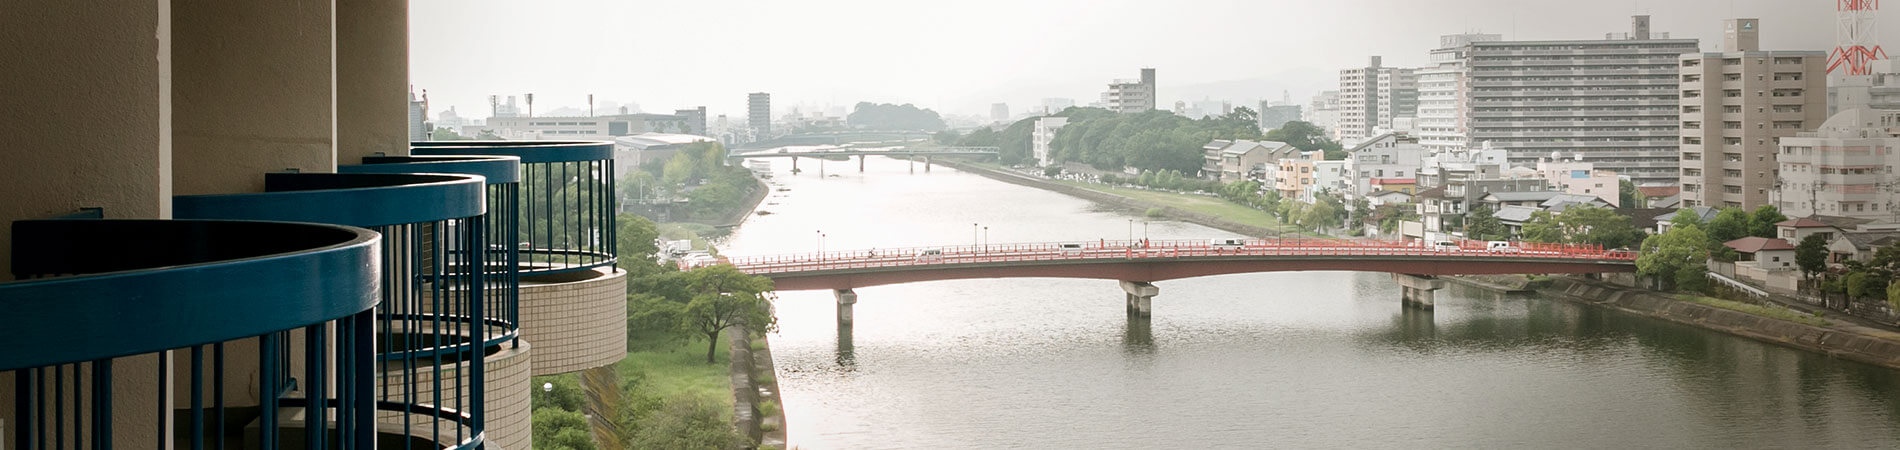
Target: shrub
(1154, 212)
(768, 407)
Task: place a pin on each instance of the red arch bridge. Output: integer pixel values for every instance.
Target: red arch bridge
(1138, 264)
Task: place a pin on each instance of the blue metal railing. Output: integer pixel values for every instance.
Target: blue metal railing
(567, 200)
(501, 323)
(103, 298)
(431, 322)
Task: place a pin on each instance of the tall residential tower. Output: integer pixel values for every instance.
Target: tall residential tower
(1736, 106)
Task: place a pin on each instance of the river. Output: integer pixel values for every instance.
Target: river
(1281, 360)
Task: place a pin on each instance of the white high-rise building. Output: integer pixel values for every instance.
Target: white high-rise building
(1041, 135)
(1131, 96)
(1615, 100)
(1324, 112)
(1371, 97)
(1440, 85)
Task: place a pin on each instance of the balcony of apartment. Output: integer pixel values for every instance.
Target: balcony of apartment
(196, 334)
(573, 295)
(1572, 103)
(1516, 71)
(1670, 53)
(446, 332)
(1569, 93)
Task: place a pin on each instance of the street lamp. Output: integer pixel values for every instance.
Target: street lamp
(973, 240)
(821, 244)
(986, 240)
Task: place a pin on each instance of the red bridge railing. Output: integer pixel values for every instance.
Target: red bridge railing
(1144, 249)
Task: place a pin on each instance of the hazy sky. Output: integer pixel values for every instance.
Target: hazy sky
(962, 55)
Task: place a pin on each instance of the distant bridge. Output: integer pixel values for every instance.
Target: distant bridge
(1138, 264)
(795, 152)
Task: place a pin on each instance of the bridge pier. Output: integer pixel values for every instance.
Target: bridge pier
(1418, 291)
(794, 164)
(926, 163)
(846, 298)
(860, 163)
(1141, 297)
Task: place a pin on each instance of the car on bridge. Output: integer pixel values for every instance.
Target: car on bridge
(1502, 247)
(1227, 243)
(1071, 249)
(930, 255)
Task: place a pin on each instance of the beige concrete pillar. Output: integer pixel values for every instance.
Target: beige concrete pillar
(255, 86)
(846, 299)
(372, 64)
(85, 111)
(1418, 291)
(1141, 297)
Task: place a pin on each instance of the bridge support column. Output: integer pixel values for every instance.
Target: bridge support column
(860, 163)
(1418, 291)
(794, 164)
(846, 298)
(1141, 296)
(926, 164)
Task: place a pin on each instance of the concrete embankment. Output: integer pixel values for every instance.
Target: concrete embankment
(756, 410)
(1113, 201)
(1861, 344)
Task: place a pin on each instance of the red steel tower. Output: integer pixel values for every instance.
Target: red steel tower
(1856, 37)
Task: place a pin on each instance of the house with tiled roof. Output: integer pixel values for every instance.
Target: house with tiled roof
(1860, 245)
(1764, 253)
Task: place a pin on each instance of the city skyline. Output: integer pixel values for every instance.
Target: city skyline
(957, 63)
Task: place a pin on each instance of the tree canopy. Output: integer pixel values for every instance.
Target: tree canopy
(1583, 225)
(885, 116)
(1151, 140)
(1677, 257)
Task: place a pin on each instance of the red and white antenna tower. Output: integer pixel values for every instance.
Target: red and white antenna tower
(1856, 37)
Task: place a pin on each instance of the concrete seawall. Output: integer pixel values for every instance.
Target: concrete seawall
(1835, 342)
(1113, 201)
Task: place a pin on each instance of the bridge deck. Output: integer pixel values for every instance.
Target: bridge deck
(1106, 259)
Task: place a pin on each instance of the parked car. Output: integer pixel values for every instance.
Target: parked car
(1444, 246)
(1071, 249)
(1501, 247)
(1227, 243)
(930, 255)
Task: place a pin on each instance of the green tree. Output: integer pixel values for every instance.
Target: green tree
(1676, 256)
(1762, 222)
(1542, 227)
(555, 428)
(1598, 226)
(1484, 225)
(1304, 136)
(1811, 255)
(687, 423)
(724, 298)
(1627, 195)
(1859, 284)
(1728, 225)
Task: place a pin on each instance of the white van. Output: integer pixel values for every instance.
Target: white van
(930, 255)
(1227, 243)
(1071, 249)
(1444, 246)
(1501, 247)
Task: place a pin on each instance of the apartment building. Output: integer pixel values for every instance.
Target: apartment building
(586, 127)
(1389, 157)
(1736, 106)
(1131, 96)
(1040, 137)
(758, 107)
(336, 304)
(1441, 86)
(1845, 168)
(1614, 100)
(1324, 113)
(1372, 97)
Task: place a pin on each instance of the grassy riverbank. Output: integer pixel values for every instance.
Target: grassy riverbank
(678, 368)
(1772, 312)
(1213, 206)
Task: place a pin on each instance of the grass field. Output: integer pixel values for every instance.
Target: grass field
(680, 368)
(1214, 206)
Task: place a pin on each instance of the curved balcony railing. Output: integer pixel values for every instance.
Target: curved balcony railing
(432, 327)
(566, 200)
(503, 177)
(108, 307)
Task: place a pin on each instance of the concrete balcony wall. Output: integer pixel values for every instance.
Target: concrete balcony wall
(576, 321)
(506, 396)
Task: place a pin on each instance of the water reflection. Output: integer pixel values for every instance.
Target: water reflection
(1138, 337)
(847, 358)
(1415, 324)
